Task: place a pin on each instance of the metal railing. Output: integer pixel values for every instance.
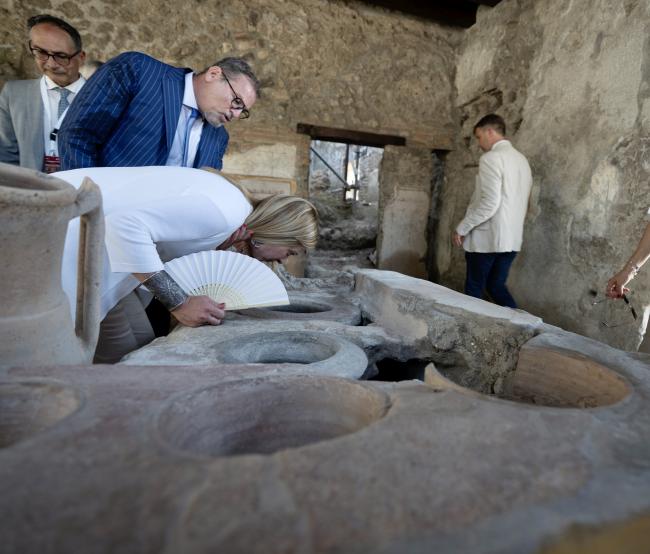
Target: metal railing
(346, 186)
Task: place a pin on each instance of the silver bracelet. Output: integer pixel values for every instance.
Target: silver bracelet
(166, 290)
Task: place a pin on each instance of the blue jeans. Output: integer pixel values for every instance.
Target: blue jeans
(489, 271)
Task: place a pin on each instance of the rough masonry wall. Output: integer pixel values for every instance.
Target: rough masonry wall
(572, 79)
(330, 63)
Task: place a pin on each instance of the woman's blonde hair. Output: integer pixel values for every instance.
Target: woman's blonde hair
(280, 219)
(285, 220)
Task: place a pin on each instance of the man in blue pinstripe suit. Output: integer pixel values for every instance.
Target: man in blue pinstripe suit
(138, 111)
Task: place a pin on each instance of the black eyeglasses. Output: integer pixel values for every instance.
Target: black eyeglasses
(58, 57)
(237, 103)
(615, 321)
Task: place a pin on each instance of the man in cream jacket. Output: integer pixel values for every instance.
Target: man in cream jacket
(492, 230)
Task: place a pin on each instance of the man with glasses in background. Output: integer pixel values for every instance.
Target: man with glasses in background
(138, 111)
(32, 111)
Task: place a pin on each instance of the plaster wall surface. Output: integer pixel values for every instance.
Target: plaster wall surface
(279, 154)
(574, 90)
(329, 63)
(405, 197)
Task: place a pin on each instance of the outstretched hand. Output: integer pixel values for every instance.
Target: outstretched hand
(200, 310)
(240, 234)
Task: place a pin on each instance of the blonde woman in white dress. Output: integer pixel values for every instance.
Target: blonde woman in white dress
(155, 214)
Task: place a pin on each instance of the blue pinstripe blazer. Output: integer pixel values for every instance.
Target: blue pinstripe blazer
(127, 114)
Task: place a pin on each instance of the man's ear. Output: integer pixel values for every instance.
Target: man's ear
(213, 73)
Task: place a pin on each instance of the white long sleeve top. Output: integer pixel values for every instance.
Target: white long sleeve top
(152, 215)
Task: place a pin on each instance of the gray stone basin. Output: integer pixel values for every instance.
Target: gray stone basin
(264, 415)
(322, 353)
(305, 306)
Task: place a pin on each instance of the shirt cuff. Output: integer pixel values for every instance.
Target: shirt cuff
(463, 229)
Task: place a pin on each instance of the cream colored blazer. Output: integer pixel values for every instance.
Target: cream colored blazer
(494, 220)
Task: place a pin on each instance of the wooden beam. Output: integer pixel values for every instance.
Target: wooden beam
(347, 136)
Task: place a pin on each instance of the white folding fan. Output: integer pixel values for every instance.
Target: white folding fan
(238, 280)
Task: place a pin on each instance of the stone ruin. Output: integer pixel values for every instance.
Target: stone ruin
(375, 413)
(378, 412)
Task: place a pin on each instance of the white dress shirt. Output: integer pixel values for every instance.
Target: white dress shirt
(152, 215)
(176, 152)
(51, 119)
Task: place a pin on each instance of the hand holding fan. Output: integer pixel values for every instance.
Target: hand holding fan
(238, 280)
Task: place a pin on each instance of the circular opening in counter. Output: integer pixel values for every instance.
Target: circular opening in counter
(28, 408)
(265, 415)
(563, 379)
(545, 377)
(280, 348)
(310, 307)
(312, 352)
(302, 308)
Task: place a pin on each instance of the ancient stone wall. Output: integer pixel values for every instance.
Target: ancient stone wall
(329, 63)
(575, 91)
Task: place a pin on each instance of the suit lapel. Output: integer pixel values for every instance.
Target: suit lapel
(206, 145)
(210, 146)
(32, 128)
(173, 86)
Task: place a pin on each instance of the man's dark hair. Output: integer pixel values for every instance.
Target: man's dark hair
(238, 66)
(492, 120)
(57, 22)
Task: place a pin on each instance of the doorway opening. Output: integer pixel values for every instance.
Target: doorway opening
(344, 174)
(344, 186)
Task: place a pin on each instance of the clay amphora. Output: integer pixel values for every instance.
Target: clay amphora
(36, 327)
